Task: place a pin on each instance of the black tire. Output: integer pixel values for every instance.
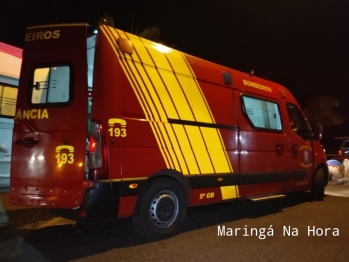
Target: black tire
(318, 186)
(160, 209)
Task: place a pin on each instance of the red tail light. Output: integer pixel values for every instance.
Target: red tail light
(92, 145)
(339, 152)
(95, 150)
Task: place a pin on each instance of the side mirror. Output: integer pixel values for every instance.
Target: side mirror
(317, 131)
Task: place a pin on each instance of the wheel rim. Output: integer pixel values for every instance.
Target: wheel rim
(164, 209)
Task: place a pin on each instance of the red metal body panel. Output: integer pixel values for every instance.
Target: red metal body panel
(126, 207)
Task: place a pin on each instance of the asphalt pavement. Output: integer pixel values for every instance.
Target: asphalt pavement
(31, 244)
(337, 190)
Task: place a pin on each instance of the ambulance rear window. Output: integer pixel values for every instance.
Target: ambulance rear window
(51, 85)
(262, 114)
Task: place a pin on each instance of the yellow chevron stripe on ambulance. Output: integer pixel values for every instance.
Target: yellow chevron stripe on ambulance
(166, 88)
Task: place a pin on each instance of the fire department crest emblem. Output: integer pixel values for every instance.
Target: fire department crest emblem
(305, 154)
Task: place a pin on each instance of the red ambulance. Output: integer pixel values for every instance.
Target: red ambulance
(110, 125)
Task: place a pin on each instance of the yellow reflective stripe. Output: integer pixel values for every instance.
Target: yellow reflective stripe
(147, 80)
(202, 113)
(198, 86)
(139, 47)
(153, 103)
(220, 158)
(229, 192)
(191, 89)
(159, 60)
(168, 148)
(199, 147)
(131, 77)
(186, 149)
(178, 97)
(164, 94)
(164, 100)
(161, 142)
(172, 99)
(151, 93)
(177, 149)
(155, 107)
(178, 63)
(179, 100)
(217, 152)
(159, 93)
(152, 88)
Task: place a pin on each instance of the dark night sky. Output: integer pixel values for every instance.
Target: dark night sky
(303, 44)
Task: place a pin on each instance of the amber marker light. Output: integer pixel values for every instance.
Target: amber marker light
(220, 179)
(133, 186)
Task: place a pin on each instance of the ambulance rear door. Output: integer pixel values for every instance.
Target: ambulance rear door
(49, 139)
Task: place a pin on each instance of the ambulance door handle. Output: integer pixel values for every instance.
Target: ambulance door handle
(295, 148)
(279, 146)
(27, 141)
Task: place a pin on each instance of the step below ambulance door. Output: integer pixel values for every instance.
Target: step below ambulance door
(49, 139)
(300, 146)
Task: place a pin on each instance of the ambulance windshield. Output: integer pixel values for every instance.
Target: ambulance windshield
(298, 123)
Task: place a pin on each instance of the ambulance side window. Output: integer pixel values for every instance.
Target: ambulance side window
(297, 121)
(262, 114)
(51, 85)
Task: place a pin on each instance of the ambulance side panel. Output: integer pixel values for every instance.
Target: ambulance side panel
(219, 133)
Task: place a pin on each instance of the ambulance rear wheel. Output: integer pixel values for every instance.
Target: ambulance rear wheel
(318, 186)
(160, 209)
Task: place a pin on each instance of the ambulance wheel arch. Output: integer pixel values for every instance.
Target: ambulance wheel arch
(174, 175)
(318, 185)
(160, 209)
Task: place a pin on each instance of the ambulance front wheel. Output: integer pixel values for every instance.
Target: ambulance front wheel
(318, 186)
(160, 209)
